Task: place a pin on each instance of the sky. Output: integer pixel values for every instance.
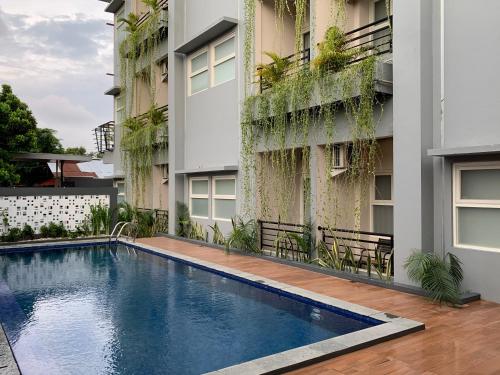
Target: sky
(55, 54)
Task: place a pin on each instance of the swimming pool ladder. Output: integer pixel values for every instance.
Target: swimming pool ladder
(118, 230)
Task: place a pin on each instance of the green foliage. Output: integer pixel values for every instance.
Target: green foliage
(76, 151)
(198, 233)
(184, 223)
(441, 277)
(274, 72)
(46, 141)
(53, 230)
(333, 54)
(27, 232)
(293, 246)
(13, 235)
(217, 237)
(100, 219)
(125, 212)
(145, 222)
(17, 133)
(243, 236)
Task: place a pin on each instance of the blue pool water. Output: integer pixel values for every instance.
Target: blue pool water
(102, 310)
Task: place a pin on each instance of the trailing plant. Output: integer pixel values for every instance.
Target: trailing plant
(280, 119)
(440, 276)
(243, 236)
(217, 237)
(142, 136)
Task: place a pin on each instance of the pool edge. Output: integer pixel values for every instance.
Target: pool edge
(392, 327)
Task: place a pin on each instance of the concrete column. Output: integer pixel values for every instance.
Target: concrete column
(413, 131)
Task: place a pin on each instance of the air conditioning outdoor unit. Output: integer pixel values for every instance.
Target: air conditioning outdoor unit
(339, 160)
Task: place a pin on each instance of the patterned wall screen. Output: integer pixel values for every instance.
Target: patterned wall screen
(71, 210)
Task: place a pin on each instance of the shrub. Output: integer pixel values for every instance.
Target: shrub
(184, 223)
(13, 235)
(333, 54)
(54, 230)
(243, 236)
(439, 276)
(27, 233)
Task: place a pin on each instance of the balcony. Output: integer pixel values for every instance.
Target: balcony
(373, 39)
(105, 137)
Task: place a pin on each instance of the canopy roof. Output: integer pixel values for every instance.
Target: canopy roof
(67, 158)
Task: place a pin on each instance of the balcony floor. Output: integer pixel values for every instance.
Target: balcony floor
(455, 341)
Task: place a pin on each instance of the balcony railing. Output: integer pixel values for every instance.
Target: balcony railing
(163, 6)
(372, 39)
(282, 240)
(370, 250)
(163, 134)
(105, 137)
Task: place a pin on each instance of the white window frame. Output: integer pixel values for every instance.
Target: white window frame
(199, 196)
(458, 202)
(378, 202)
(222, 197)
(118, 109)
(118, 190)
(214, 63)
(192, 74)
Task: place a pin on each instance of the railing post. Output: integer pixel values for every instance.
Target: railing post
(261, 234)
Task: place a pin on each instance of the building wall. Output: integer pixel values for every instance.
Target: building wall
(470, 96)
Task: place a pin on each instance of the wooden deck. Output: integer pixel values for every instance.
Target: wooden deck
(456, 341)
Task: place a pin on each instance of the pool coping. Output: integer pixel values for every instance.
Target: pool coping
(392, 327)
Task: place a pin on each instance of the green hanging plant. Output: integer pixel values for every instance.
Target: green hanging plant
(333, 54)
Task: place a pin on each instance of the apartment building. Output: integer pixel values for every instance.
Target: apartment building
(396, 138)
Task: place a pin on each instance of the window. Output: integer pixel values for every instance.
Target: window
(213, 65)
(476, 211)
(198, 72)
(224, 198)
(120, 109)
(382, 204)
(224, 61)
(121, 192)
(198, 197)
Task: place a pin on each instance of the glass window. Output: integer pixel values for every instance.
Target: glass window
(224, 49)
(224, 197)
(383, 219)
(477, 205)
(199, 82)
(198, 197)
(199, 62)
(225, 71)
(225, 186)
(198, 73)
(480, 184)
(383, 188)
(199, 207)
(382, 205)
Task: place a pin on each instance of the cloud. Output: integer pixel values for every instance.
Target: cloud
(55, 57)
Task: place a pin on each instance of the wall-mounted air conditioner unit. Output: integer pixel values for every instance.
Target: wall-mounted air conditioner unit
(339, 160)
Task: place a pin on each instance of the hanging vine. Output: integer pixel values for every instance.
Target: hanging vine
(142, 134)
(278, 123)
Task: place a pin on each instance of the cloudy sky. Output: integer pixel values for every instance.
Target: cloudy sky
(55, 54)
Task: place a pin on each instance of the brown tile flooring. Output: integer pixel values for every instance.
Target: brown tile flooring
(456, 341)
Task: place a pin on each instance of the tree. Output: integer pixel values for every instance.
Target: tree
(17, 133)
(46, 141)
(76, 150)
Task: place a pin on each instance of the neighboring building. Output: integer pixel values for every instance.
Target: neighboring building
(433, 179)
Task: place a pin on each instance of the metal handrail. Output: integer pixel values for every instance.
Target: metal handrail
(123, 227)
(120, 223)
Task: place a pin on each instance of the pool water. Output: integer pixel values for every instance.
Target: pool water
(116, 310)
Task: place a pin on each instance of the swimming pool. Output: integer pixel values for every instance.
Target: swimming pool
(120, 310)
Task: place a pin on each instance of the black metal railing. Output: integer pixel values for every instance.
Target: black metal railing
(105, 137)
(160, 219)
(372, 39)
(285, 240)
(366, 247)
(296, 62)
(163, 134)
(163, 5)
